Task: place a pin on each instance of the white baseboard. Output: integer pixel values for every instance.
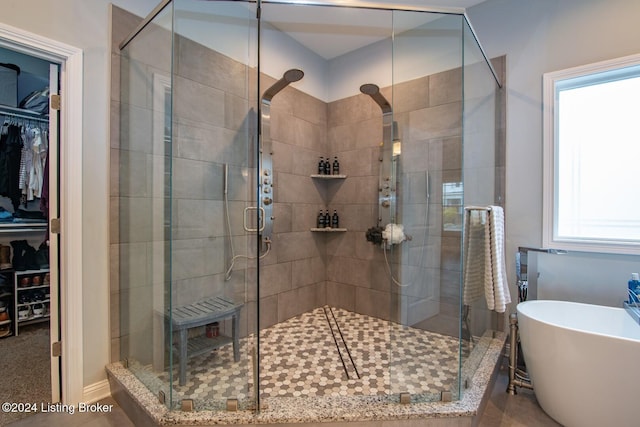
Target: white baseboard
(96, 391)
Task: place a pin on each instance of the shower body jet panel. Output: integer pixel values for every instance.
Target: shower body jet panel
(386, 180)
(265, 182)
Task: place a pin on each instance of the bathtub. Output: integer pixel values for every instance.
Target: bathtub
(583, 361)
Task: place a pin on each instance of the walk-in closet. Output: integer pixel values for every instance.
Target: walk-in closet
(26, 303)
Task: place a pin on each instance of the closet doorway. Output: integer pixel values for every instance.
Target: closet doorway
(29, 285)
(65, 200)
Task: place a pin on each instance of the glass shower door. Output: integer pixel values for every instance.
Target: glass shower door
(187, 166)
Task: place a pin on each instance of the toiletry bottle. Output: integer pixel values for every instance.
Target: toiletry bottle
(321, 166)
(634, 287)
(327, 167)
(336, 166)
(327, 219)
(320, 220)
(335, 220)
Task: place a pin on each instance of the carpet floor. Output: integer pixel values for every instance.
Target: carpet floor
(25, 370)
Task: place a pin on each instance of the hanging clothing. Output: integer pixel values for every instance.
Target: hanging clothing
(10, 154)
(39, 155)
(44, 199)
(26, 163)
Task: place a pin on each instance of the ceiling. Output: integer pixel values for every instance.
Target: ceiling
(330, 34)
(327, 33)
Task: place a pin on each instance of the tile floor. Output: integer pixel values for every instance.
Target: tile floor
(327, 351)
(520, 410)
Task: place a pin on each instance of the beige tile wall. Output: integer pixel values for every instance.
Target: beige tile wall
(428, 112)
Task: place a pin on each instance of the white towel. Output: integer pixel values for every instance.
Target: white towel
(496, 286)
(474, 255)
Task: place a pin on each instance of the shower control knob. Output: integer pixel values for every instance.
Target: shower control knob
(267, 200)
(266, 172)
(267, 190)
(267, 181)
(385, 204)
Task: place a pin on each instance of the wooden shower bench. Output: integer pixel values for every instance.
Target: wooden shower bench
(199, 314)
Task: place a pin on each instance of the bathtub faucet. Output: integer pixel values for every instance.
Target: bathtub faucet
(517, 377)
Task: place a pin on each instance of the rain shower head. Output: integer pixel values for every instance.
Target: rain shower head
(293, 75)
(369, 89)
(374, 92)
(290, 76)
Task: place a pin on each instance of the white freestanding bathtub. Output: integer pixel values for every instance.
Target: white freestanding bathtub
(583, 361)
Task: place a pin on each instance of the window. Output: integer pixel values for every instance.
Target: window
(592, 157)
(452, 211)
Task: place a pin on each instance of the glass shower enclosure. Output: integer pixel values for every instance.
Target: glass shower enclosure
(292, 183)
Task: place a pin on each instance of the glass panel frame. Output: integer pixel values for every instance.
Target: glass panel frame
(483, 157)
(427, 101)
(214, 199)
(186, 166)
(144, 202)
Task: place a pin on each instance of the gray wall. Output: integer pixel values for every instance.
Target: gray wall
(538, 37)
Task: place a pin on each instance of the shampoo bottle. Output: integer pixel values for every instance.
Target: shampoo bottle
(320, 220)
(336, 166)
(335, 220)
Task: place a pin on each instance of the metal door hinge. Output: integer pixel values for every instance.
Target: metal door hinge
(56, 349)
(55, 101)
(55, 225)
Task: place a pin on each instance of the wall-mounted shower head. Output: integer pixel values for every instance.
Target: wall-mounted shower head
(290, 76)
(374, 92)
(293, 75)
(369, 89)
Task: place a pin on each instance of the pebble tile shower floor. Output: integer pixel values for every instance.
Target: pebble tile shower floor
(327, 351)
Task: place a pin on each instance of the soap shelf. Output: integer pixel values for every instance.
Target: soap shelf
(328, 230)
(318, 176)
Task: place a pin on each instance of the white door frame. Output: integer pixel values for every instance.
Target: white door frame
(70, 194)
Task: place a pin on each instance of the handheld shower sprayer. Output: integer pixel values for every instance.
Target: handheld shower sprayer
(226, 178)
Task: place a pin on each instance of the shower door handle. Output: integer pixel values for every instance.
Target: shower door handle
(260, 219)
